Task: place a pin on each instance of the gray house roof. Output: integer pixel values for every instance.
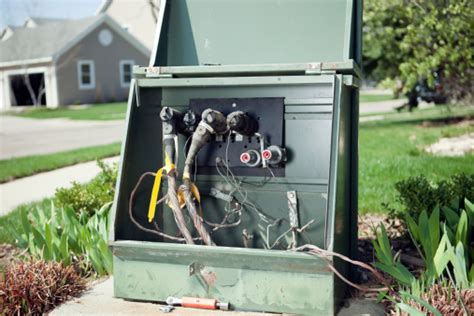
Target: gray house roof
(41, 20)
(49, 40)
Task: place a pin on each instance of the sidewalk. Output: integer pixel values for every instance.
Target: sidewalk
(21, 137)
(43, 185)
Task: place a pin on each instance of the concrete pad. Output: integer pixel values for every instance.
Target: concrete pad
(99, 300)
(43, 185)
(362, 307)
(24, 137)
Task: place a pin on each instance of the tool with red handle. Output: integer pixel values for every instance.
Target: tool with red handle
(196, 302)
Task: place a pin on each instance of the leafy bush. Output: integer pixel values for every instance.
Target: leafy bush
(424, 36)
(67, 237)
(85, 198)
(36, 287)
(417, 194)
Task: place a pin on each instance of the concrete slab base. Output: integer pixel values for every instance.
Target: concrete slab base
(362, 307)
(99, 300)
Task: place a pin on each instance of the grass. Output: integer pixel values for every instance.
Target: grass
(375, 97)
(98, 112)
(25, 166)
(392, 149)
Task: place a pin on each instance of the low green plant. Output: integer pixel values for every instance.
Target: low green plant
(446, 247)
(87, 197)
(417, 194)
(68, 237)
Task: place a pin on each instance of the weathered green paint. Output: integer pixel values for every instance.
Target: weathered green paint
(320, 130)
(245, 32)
(249, 279)
(347, 67)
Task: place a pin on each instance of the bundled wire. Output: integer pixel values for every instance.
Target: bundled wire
(328, 255)
(155, 231)
(174, 204)
(197, 219)
(212, 122)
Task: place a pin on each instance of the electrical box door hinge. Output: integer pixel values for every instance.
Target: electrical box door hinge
(155, 72)
(313, 69)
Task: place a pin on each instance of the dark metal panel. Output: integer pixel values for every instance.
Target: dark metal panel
(267, 112)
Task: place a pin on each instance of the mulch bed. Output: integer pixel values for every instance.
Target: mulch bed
(7, 254)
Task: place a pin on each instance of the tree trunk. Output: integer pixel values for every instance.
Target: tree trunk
(154, 7)
(26, 79)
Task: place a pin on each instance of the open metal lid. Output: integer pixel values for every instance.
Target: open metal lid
(251, 32)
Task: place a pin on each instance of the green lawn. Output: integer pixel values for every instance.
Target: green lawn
(21, 167)
(375, 97)
(392, 150)
(101, 112)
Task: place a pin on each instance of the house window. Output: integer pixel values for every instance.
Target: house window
(86, 74)
(126, 72)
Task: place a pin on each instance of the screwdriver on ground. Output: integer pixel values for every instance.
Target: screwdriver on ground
(196, 302)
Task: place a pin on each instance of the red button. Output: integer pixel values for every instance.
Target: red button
(267, 154)
(245, 157)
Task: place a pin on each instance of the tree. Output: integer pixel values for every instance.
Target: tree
(154, 8)
(409, 40)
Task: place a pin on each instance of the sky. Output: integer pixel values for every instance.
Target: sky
(15, 12)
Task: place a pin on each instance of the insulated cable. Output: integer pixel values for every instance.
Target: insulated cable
(170, 119)
(212, 122)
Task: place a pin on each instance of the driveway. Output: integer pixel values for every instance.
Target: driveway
(381, 106)
(23, 136)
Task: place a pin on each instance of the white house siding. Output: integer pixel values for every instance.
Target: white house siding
(2, 92)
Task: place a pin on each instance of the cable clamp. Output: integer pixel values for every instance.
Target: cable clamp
(207, 126)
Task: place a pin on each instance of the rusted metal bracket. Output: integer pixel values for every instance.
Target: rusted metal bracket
(293, 209)
(205, 276)
(293, 215)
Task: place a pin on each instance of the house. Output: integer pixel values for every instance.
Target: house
(138, 17)
(62, 62)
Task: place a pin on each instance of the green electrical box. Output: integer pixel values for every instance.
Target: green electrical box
(252, 109)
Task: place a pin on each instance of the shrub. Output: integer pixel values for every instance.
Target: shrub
(417, 194)
(87, 197)
(36, 287)
(65, 236)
